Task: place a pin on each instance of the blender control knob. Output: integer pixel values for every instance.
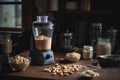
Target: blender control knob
(47, 56)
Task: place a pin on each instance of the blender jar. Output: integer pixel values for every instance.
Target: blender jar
(43, 31)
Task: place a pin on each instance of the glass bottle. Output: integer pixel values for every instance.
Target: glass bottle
(5, 44)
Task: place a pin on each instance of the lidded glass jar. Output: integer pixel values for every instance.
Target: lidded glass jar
(87, 52)
(5, 44)
(43, 32)
(67, 40)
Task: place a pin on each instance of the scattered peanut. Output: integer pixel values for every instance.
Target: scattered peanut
(90, 73)
(63, 70)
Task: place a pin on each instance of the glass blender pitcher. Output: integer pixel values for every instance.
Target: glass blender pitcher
(42, 32)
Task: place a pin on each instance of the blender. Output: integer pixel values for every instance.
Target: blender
(41, 52)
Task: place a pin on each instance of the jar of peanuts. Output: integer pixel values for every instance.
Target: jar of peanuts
(87, 52)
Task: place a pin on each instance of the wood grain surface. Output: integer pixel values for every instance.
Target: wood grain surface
(36, 72)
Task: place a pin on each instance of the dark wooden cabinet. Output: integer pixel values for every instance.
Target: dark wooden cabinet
(78, 21)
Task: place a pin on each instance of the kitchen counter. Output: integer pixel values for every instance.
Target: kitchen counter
(36, 72)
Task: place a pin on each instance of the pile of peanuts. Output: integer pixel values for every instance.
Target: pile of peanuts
(63, 70)
(19, 60)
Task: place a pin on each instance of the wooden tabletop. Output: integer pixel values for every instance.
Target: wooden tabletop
(36, 72)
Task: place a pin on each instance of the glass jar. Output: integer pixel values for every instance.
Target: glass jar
(66, 40)
(87, 52)
(5, 44)
(103, 47)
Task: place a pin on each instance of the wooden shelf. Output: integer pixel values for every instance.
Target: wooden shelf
(11, 30)
(85, 12)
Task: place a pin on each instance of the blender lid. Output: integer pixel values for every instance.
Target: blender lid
(43, 20)
(43, 23)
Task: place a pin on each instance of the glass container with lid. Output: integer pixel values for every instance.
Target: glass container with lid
(43, 32)
(87, 52)
(66, 40)
(5, 44)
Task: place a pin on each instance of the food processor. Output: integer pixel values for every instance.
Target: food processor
(41, 52)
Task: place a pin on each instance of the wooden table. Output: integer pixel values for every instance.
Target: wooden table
(36, 72)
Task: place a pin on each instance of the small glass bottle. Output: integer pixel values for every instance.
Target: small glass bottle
(87, 52)
(5, 44)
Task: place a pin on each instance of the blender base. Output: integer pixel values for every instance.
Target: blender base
(42, 57)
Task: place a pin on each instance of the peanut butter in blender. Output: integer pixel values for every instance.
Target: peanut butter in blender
(43, 42)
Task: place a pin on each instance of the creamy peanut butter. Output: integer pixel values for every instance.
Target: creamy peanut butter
(43, 42)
